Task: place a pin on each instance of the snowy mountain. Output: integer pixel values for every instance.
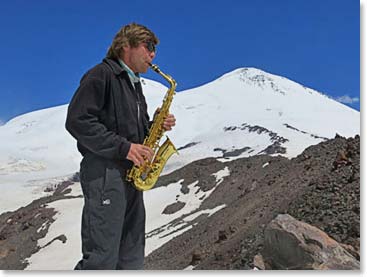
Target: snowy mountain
(243, 113)
(249, 110)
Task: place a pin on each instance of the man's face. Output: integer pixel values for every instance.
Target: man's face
(138, 58)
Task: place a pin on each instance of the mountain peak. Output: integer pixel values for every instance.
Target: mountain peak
(253, 74)
(243, 71)
(255, 77)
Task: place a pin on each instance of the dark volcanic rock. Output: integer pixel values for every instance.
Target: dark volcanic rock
(332, 200)
(191, 144)
(173, 208)
(232, 153)
(316, 187)
(292, 244)
(275, 148)
(200, 171)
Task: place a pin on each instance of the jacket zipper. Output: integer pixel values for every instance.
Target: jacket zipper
(138, 104)
(137, 100)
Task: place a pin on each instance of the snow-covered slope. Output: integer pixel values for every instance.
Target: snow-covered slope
(251, 109)
(246, 110)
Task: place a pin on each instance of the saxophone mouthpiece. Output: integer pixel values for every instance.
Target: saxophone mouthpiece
(154, 67)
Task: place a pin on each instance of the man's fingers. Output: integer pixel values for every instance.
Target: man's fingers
(167, 127)
(138, 160)
(169, 122)
(135, 160)
(139, 153)
(146, 153)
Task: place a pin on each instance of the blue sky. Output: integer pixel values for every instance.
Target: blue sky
(46, 46)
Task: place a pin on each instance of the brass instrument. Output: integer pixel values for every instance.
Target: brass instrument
(145, 176)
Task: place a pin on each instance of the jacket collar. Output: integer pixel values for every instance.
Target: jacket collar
(133, 77)
(115, 66)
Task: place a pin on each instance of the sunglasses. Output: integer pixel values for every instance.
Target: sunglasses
(150, 46)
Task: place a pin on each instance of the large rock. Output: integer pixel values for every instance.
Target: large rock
(292, 244)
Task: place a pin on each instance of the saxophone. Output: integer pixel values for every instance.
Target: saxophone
(145, 176)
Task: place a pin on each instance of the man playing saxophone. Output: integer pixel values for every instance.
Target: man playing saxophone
(108, 117)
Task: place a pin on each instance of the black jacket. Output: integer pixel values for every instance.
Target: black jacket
(106, 113)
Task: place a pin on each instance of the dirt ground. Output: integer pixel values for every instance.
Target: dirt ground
(321, 187)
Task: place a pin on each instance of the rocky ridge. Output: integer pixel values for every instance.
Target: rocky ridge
(321, 187)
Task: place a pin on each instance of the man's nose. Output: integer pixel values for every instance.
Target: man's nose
(152, 55)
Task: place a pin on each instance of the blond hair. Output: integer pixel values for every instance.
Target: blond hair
(130, 35)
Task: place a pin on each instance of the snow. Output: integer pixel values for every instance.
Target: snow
(163, 227)
(60, 256)
(219, 176)
(36, 151)
(68, 222)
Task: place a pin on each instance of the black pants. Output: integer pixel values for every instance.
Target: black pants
(113, 220)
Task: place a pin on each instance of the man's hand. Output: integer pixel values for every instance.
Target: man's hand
(169, 122)
(138, 153)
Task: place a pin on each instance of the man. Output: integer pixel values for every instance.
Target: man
(108, 118)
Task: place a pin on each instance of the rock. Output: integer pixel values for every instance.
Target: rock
(351, 250)
(259, 262)
(221, 236)
(173, 208)
(196, 257)
(292, 244)
(341, 159)
(218, 256)
(61, 238)
(185, 189)
(3, 252)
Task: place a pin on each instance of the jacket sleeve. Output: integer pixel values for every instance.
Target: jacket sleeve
(83, 121)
